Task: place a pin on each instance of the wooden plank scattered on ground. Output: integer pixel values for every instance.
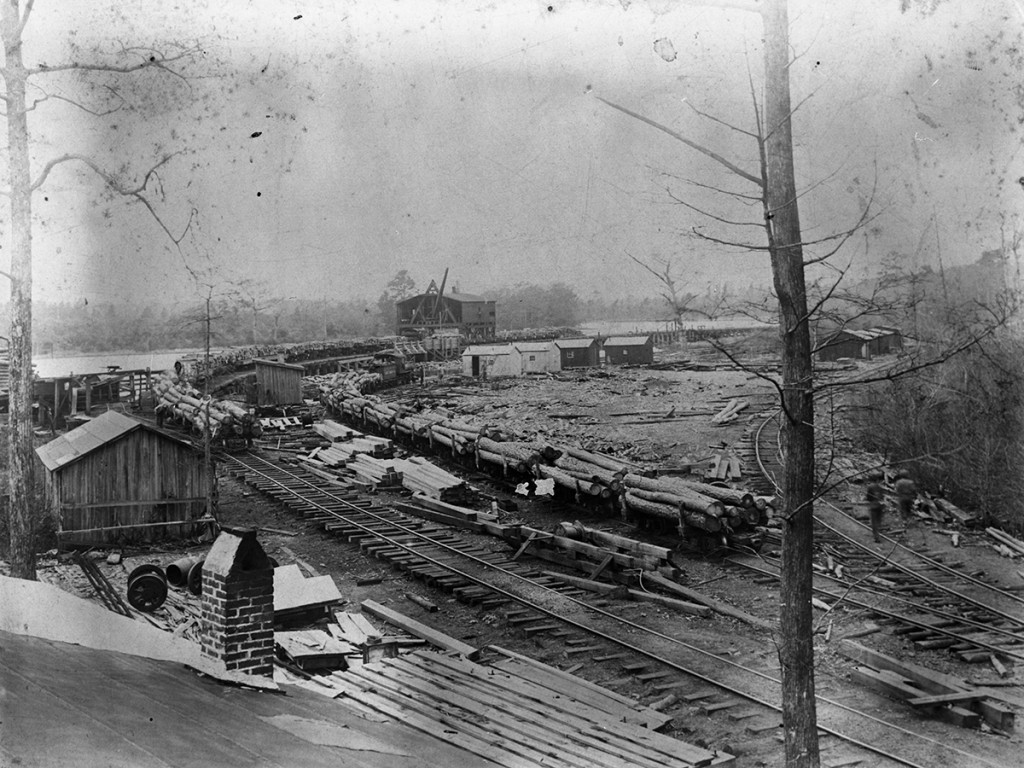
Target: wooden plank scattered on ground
(414, 627)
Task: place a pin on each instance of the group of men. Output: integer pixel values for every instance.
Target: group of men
(906, 495)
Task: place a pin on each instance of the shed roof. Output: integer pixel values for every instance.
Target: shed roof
(574, 343)
(533, 346)
(95, 433)
(488, 349)
(626, 341)
(276, 364)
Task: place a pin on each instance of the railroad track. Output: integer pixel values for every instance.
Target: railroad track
(936, 601)
(675, 673)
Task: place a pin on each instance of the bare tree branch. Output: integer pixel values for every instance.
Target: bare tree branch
(135, 192)
(718, 120)
(679, 137)
(682, 202)
(741, 196)
(78, 104)
(154, 60)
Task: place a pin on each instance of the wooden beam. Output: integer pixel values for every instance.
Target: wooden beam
(414, 627)
(715, 605)
(944, 698)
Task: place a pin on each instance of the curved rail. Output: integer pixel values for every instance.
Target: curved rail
(560, 616)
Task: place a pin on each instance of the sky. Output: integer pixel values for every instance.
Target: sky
(320, 147)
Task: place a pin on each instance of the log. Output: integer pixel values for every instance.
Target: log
(705, 522)
(688, 498)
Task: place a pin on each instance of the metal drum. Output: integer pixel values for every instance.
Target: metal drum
(147, 588)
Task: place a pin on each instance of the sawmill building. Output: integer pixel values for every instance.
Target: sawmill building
(420, 316)
(116, 479)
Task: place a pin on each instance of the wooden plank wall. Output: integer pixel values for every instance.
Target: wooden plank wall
(277, 385)
(140, 466)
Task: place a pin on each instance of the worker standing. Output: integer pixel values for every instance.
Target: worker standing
(874, 497)
(906, 493)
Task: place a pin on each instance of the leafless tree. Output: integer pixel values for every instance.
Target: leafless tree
(18, 78)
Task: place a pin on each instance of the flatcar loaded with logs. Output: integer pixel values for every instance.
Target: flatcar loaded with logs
(706, 516)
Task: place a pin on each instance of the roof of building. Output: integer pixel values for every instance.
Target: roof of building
(533, 346)
(574, 343)
(866, 334)
(74, 704)
(463, 296)
(97, 432)
(278, 364)
(488, 349)
(626, 341)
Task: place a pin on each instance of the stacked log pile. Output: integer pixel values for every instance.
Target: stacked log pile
(185, 404)
(602, 478)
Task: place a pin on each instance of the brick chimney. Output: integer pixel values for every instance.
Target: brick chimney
(238, 604)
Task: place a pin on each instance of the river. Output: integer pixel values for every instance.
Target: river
(47, 366)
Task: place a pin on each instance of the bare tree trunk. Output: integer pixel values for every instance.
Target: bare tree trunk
(19, 449)
(797, 646)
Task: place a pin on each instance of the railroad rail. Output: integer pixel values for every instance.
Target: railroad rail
(538, 604)
(914, 589)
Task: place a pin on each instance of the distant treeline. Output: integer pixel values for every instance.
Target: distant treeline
(93, 326)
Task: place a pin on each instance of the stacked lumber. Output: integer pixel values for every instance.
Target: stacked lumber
(296, 597)
(950, 698)
(187, 405)
(333, 432)
(724, 465)
(373, 470)
(420, 476)
(730, 413)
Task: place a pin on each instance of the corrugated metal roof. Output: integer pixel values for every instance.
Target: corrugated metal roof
(573, 343)
(488, 349)
(103, 429)
(626, 341)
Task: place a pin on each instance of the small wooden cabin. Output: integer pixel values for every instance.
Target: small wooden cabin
(492, 360)
(278, 383)
(116, 479)
(628, 350)
(578, 353)
(538, 356)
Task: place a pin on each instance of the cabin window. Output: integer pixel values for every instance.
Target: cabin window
(532, 358)
(569, 354)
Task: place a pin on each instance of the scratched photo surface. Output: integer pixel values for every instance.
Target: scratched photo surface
(298, 166)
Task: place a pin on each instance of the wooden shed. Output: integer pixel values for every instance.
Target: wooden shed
(492, 360)
(278, 383)
(628, 350)
(577, 353)
(116, 479)
(538, 356)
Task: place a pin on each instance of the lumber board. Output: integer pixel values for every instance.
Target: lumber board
(891, 684)
(715, 605)
(422, 631)
(670, 602)
(569, 737)
(480, 745)
(569, 685)
(943, 698)
(600, 587)
(603, 725)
